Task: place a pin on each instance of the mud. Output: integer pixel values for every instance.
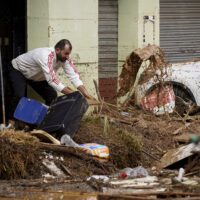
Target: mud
(151, 53)
(124, 147)
(130, 145)
(18, 155)
(127, 144)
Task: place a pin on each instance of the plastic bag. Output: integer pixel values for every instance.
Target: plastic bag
(135, 172)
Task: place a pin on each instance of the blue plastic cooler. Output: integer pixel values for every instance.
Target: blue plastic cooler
(30, 111)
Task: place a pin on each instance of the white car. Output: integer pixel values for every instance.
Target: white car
(185, 78)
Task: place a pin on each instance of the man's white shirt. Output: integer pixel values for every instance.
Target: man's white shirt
(40, 64)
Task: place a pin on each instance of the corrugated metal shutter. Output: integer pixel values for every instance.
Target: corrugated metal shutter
(180, 29)
(108, 38)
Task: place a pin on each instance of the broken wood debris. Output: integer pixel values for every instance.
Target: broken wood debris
(184, 138)
(176, 132)
(175, 155)
(44, 136)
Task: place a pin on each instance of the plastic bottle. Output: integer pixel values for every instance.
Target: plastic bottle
(195, 139)
(134, 172)
(68, 141)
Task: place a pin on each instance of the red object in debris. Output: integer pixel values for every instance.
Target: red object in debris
(120, 175)
(163, 98)
(124, 175)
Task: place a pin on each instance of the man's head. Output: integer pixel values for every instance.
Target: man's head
(63, 49)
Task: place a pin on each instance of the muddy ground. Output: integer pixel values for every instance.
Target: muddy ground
(153, 135)
(142, 142)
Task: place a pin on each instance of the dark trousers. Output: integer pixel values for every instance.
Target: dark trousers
(19, 85)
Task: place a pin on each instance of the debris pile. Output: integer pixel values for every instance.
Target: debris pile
(18, 154)
(141, 147)
(124, 146)
(23, 155)
(156, 66)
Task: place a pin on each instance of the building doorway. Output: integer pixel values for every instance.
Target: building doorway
(12, 38)
(108, 49)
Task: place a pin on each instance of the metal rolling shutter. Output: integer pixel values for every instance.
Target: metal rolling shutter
(180, 29)
(108, 38)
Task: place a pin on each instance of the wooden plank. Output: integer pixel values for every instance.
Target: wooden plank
(175, 155)
(44, 136)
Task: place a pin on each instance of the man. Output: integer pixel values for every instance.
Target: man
(37, 68)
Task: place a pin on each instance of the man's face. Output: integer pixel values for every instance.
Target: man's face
(62, 55)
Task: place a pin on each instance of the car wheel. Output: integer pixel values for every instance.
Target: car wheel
(183, 100)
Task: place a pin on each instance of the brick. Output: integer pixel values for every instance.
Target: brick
(107, 81)
(108, 89)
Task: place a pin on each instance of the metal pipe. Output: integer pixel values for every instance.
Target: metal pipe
(2, 90)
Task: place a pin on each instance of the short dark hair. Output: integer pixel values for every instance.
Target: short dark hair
(61, 44)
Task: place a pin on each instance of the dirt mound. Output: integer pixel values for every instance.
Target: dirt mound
(133, 62)
(142, 141)
(22, 156)
(18, 154)
(130, 144)
(125, 148)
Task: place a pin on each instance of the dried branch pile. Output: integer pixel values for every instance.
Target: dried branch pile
(18, 153)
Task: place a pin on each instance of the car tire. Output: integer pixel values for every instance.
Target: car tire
(183, 100)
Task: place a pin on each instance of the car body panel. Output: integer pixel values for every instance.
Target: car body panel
(186, 74)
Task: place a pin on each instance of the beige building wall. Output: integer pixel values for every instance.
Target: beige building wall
(50, 21)
(131, 27)
(37, 23)
(127, 29)
(37, 31)
(77, 21)
(148, 8)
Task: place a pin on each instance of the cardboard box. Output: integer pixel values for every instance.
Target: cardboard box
(94, 149)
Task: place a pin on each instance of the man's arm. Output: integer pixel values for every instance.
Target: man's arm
(90, 99)
(85, 93)
(66, 90)
(81, 88)
(74, 77)
(45, 62)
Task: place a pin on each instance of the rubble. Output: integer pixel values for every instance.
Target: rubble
(126, 142)
(18, 153)
(152, 56)
(176, 155)
(133, 63)
(140, 146)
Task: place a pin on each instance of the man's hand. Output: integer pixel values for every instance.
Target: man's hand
(90, 99)
(85, 93)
